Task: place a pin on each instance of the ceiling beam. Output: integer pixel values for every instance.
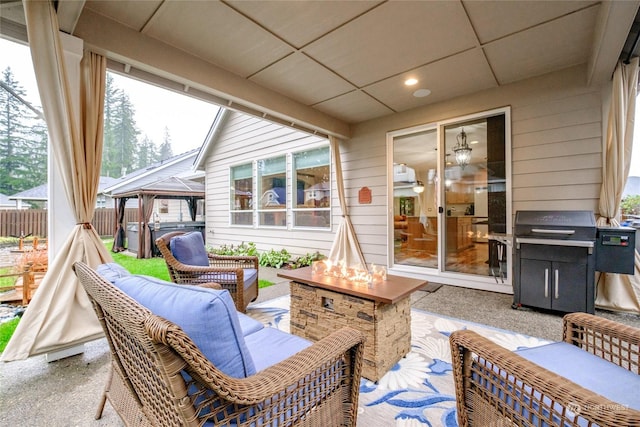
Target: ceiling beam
(68, 12)
(128, 46)
(612, 28)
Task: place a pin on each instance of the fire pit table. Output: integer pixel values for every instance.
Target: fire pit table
(321, 304)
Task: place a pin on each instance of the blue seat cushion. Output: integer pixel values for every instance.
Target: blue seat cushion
(207, 316)
(250, 276)
(248, 324)
(591, 372)
(269, 346)
(112, 271)
(189, 249)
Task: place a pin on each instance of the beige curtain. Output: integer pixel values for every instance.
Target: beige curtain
(145, 244)
(620, 292)
(60, 314)
(345, 246)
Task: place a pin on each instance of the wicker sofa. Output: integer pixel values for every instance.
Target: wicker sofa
(590, 378)
(183, 356)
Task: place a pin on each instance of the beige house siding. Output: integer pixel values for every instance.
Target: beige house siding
(243, 139)
(556, 126)
(556, 148)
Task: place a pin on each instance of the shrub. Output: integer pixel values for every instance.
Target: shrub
(273, 258)
(306, 260)
(243, 249)
(630, 205)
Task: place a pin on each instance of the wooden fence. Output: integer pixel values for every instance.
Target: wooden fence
(22, 222)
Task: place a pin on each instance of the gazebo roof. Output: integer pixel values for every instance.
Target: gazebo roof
(168, 188)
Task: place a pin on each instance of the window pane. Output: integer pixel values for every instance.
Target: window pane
(241, 194)
(242, 218)
(312, 196)
(272, 178)
(312, 172)
(313, 218)
(272, 181)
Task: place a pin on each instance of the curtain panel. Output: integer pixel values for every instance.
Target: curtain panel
(60, 314)
(620, 292)
(345, 247)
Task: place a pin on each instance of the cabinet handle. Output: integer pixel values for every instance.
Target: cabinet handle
(556, 280)
(546, 282)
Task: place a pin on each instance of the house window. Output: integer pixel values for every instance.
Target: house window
(164, 206)
(241, 208)
(312, 198)
(272, 187)
(292, 190)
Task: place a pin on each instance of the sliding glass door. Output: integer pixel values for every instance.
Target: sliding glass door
(415, 195)
(450, 196)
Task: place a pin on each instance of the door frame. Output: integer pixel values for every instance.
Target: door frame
(438, 274)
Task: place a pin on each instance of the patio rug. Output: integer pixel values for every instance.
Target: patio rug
(418, 390)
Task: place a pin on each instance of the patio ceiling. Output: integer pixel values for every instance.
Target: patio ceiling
(326, 65)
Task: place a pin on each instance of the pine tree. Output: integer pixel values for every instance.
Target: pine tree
(108, 149)
(36, 161)
(23, 139)
(120, 133)
(165, 151)
(147, 152)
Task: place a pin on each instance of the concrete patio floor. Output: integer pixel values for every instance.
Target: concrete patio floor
(66, 392)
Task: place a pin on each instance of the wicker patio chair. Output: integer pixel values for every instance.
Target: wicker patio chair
(161, 378)
(228, 271)
(498, 387)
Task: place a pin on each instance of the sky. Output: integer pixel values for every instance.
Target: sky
(187, 119)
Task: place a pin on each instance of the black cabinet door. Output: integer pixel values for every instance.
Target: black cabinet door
(535, 283)
(568, 286)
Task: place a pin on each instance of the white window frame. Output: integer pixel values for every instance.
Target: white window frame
(289, 211)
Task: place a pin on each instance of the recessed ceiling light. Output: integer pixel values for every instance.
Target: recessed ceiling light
(410, 82)
(421, 93)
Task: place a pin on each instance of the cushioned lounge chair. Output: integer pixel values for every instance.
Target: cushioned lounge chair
(189, 263)
(590, 378)
(262, 376)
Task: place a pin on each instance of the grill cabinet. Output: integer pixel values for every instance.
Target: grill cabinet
(554, 260)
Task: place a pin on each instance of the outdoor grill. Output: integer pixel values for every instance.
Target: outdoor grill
(556, 256)
(554, 260)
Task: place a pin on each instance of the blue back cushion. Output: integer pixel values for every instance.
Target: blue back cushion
(112, 271)
(189, 249)
(207, 316)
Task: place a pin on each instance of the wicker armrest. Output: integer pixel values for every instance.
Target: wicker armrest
(612, 341)
(494, 384)
(233, 260)
(288, 373)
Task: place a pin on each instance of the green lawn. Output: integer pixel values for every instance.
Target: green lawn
(7, 281)
(155, 267)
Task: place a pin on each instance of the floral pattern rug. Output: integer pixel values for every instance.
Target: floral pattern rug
(418, 390)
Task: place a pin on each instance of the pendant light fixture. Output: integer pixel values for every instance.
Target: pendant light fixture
(462, 149)
(418, 187)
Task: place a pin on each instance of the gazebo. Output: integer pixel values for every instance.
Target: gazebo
(168, 188)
